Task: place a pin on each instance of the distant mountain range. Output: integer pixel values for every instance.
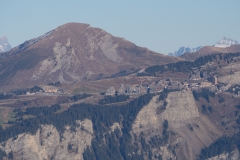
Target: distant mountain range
(183, 50)
(4, 45)
(222, 43)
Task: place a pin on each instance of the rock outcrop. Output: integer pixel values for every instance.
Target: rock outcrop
(48, 143)
(234, 155)
(191, 129)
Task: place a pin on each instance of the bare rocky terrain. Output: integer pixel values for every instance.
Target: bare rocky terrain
(234, 155)
(192, 130)
(47, 143)
(74, 52)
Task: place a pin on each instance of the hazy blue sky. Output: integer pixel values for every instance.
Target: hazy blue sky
(162, 26)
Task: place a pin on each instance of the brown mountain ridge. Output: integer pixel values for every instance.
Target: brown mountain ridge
(207, 50)
(73, 52)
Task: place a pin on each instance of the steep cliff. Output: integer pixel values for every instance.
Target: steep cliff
(234, 155)
(48, 143)
(189, 130)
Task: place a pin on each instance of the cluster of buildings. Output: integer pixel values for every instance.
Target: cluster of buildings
(145, 88)
(202, 77)
(199, 80)
(196, 81)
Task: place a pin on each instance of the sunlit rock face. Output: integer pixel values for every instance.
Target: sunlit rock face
(48, 143)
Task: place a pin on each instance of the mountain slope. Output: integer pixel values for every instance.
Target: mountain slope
(207, 50)
(4, 45)
(73, 52)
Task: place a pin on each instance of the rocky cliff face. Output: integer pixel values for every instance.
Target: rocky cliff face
(189, 130)
(234, 155)
(47, 143)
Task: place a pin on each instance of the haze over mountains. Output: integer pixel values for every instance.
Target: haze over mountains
(222, 43)
(4, 45)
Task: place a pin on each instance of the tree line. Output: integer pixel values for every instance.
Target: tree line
(204, 93)
(113, 99)
(222, 145)
(19, 92)
(79, 96)
(188, 66)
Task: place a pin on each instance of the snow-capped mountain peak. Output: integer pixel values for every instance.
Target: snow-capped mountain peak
(182, 50)
(225, 42)
(4, 45)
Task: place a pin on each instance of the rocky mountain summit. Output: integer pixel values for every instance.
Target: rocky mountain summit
(47, 142)
(225, 42)
(75, 52)
(4, 45)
